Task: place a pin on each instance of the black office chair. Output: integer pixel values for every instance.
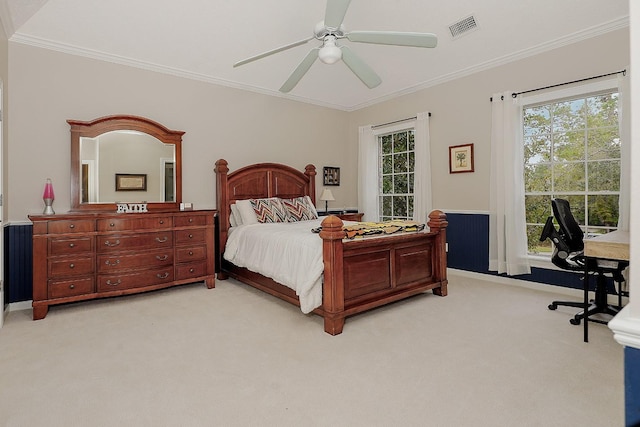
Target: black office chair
(568, 254)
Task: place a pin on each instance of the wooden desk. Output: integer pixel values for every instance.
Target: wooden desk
(611, 246)
(614, 245)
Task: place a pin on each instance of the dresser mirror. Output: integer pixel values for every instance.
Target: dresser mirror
(124, 159)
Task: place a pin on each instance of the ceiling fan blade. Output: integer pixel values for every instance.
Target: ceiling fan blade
(394, 38)
(271, 52)
(334, 14)
(300, 71)
(360, 68)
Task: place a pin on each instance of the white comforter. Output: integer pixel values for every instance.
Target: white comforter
(288, 253)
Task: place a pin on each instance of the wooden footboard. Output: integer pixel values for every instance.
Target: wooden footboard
(370, 272)
(359, 274)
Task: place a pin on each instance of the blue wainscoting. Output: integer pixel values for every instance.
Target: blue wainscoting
(468, 239)
(18, 273)
(632, 386)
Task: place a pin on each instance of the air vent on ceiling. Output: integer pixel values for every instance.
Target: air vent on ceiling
(463, 26)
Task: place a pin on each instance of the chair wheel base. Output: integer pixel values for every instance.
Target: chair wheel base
(574, 321)
(552, 306)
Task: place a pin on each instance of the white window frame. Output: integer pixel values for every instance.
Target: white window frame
(544, 261)
(390, 129)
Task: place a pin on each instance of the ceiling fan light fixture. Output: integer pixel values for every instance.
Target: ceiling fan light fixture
(330, 53)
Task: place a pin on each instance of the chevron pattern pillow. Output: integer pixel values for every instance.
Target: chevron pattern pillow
(269, 210)
(299, 209)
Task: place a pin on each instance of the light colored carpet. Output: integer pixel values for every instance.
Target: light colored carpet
(486, 355)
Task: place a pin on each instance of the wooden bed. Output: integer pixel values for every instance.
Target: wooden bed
(358, 274)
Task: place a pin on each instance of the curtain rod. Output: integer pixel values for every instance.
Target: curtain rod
(395, 121)
(515, 94)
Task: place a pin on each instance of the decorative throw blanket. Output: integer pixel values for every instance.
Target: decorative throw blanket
(361, 229)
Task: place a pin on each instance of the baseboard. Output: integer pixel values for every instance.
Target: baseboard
(562, 290)
(20, 305)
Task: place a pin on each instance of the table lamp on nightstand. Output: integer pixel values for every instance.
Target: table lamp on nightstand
(326, 196)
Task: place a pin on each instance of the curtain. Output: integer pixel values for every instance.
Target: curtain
(422, 202)
(624, 118)
(507, 221)
(368, 174)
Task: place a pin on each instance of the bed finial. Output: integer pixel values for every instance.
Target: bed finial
(437, 220)
(221, 166)
(310, 170)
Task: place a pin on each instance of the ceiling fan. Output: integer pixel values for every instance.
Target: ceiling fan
(329, 32)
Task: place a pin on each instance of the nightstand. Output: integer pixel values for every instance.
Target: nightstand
(356, 216)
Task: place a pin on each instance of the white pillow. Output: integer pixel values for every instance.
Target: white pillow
(233, 219)
(247, 214)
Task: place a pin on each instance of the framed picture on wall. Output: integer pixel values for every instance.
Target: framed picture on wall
(131, 182)
(461, 158)
(331, 175)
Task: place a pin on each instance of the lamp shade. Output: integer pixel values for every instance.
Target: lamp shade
(326, 195)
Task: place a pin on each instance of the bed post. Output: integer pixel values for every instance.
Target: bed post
(223, 207)
(333, 286)
(438, 223)
(310, 172)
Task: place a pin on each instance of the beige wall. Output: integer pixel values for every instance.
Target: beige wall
(4, 73)
(461, 111)
(49, 87)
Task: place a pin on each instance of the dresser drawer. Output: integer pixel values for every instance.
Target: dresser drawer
(117, 262)
(69, 288)
(189, 220)
(191, 236)
(71, 226)
(112, 243)
(70, 246)
(128, 224)
(65, 267)
(114, 282)
(194, 269)
(191, 253)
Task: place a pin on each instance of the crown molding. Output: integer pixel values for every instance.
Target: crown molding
(149, 66)
(617, 24)
(5, 18)
(607, 27)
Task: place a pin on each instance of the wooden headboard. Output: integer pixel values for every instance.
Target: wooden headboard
(258, 181)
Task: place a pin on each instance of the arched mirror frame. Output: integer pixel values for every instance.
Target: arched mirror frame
(94, 128)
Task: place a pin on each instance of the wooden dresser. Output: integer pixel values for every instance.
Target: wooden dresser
(82, 256)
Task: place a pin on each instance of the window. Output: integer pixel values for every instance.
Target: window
(396, 174)
(572, 151)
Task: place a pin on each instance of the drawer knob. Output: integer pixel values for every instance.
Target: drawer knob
(111, 244)
(162, 276)
(72, 226)
(71, 245)
(112, 224)
(162, 239)
(190, 219)
(72, 286)
(162, 258)
(113, 284)
(190, 252)
(71, 265)
(162, 221)
(191, 236)
(191, 270)
(109, 262)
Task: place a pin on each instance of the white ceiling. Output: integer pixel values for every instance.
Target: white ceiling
(202, 39)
